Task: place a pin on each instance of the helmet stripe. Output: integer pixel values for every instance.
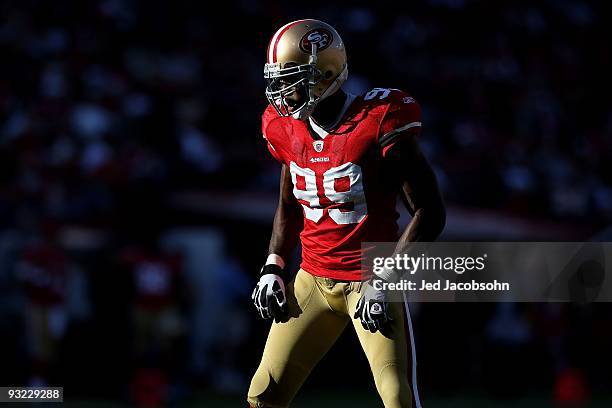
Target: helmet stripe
(273, 42)
(276, 39)
(269, 59)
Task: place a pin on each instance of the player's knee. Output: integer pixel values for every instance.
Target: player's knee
(393, 387)
(264, 392)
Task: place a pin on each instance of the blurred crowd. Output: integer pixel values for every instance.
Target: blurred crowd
(110, 107)
(100, 98)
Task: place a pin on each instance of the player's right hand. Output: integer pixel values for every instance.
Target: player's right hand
(269, 294)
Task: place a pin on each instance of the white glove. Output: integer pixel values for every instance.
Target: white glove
(372, 308)
(269, 294)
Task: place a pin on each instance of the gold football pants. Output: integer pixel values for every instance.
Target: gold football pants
(320, 309)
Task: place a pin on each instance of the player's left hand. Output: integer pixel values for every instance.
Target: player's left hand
(372, 308)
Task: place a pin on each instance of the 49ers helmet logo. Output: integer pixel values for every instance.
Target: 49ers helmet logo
(320, 37)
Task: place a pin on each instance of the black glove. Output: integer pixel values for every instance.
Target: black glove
(269, 294)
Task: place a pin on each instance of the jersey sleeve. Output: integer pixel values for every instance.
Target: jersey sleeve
(266, 118)
(272, 149)
(401, 120)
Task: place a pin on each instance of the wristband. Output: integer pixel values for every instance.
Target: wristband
(274, 259)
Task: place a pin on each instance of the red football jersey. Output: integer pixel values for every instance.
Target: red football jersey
(342, 180)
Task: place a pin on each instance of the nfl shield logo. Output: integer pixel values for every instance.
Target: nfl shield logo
(318, 146)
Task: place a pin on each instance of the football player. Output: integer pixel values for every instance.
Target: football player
(344, 160)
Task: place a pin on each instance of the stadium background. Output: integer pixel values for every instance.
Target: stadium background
(136, 195)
